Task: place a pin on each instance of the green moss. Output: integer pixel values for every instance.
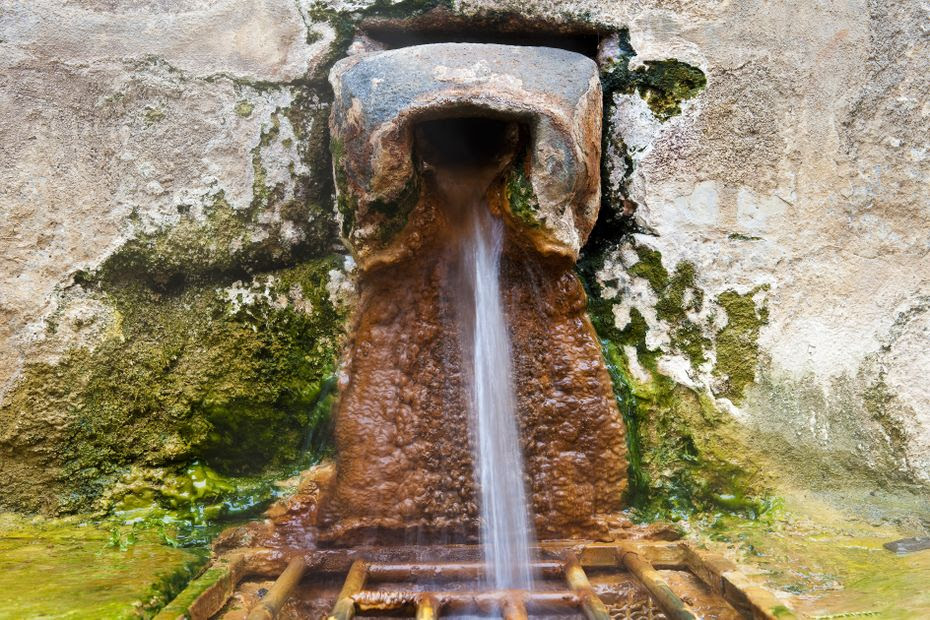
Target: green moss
(152, 115)
(184, 376)
(521, 199)
(224, 242)
(681, 296)
(71, 569)
(663, 84)
(190, 252)
(345, 201)
(262, 194)
(649, 266)
(678, 294)
(244, 108)
(737, 344)
(685, 457)
(638, 488)
(396, 213)
(312, 206)
(683, 454)
(691, 456)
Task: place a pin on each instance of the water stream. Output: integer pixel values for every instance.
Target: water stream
(463, 158)
(505, 527)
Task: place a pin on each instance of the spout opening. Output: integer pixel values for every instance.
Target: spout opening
(468, 141)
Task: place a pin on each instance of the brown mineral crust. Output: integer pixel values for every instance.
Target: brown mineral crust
(404, 468)
(404, 459)
(573, 436)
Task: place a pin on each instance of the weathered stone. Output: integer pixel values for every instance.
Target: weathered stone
(380, 96)
(801, 166)
(170, 148)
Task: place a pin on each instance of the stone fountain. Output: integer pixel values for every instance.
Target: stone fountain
(430, 142)
(404, 446)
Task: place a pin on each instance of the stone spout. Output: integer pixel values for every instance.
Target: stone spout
(380, 97)
(420, 134)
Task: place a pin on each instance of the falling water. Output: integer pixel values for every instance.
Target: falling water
(505, 529)
(462, 158)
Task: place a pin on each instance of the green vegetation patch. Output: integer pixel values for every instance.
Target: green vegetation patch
(70, 569)
(835, 563)
(737, 343)
(243, 385)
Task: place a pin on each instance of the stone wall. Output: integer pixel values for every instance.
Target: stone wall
(171, 265)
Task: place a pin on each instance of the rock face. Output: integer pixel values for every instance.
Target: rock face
(771, 301)
(161, 183)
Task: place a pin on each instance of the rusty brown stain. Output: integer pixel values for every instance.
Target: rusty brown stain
(404, 466)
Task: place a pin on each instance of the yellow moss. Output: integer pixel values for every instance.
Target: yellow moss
(84, 570)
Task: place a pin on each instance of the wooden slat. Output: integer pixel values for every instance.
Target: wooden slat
(205, 596)
(271, 604)
(671, 603)
(427, 608)
(593, 607)
(724, 578)
(355, 581)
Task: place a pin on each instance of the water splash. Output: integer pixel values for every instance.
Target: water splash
(505, 526)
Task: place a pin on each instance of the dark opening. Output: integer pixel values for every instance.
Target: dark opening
(441, 26)
(468, 141)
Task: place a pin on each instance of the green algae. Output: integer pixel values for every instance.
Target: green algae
(638, 481)
(240, 385)
(521, 199)
(737, 343)
(71, 569)
(831, 561)
(181, 605)
(189, 505)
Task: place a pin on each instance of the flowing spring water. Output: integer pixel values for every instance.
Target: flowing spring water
(505, 527)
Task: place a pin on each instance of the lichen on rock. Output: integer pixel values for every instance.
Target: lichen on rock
(686, 454)
(237, 377)
(737, 343)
